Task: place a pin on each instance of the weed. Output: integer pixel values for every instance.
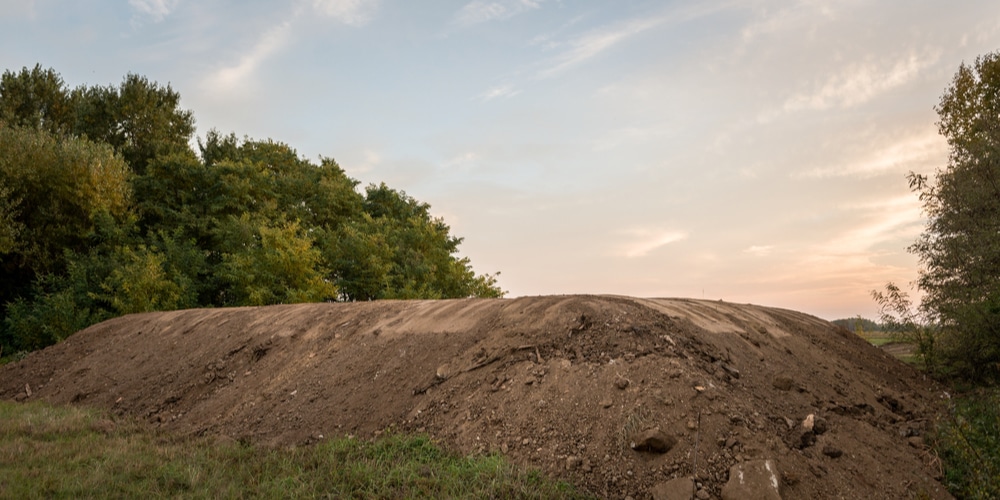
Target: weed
(968, 443)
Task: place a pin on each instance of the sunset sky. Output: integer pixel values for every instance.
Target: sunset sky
(749, 151)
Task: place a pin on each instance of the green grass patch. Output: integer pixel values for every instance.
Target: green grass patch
(968, 443)
(880, 341)
(70, 452)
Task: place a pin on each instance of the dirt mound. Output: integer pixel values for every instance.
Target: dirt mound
(618, 395)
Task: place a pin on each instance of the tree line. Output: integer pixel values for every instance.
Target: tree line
(106, 209)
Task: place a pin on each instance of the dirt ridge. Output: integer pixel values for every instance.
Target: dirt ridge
(563, 383)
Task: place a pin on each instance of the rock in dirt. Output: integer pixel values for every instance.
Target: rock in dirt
(653, 440)
(680, 488)
(757, 479)
(783, 383)
(820, 425)
(800, 438)
(832, 451)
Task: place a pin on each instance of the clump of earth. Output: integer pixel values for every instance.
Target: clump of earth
(623, 397)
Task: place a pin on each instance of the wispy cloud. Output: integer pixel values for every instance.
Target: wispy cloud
(155, 10)
(801, 15)
(460, 160)
(236, 78)
(859, 83)
(499, 92)
(882, 220)
(642, 241)
(915, 152)
(759, 250)
(479, 11)
(349, 12)
(594, 43)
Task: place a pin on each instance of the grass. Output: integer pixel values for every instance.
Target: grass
(968, 443)
(69, 452)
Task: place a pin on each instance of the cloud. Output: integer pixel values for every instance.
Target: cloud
(643, 241)
(478, 11)
(859, 83)
(349, 12)
(797, 17)
(498, 92)
(460, 160)
(759, 250)
(156, 10)
(237, 78)
(884, 220)
(925, 149)
(594, 43)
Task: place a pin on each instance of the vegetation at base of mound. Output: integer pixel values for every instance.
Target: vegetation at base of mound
(71, 452)
(106, 209)
(968, 443)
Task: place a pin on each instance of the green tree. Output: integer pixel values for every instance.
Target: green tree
(58, 187)
(140, 119)
(960, 247)
(274, 265)
(36, 99)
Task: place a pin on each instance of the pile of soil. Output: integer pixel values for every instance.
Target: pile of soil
(618, 395)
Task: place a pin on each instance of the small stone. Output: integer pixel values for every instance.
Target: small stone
(653, 440)
(573, 462)
(809, 421)
(800, 438)
(702, 495)
(832, 451)
(731, 442)
(692, 425)
(820, 425)
(606, 403)
(621, 383)
(916, 442)
(783, 383)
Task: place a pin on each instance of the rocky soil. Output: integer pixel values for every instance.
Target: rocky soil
(625, 397)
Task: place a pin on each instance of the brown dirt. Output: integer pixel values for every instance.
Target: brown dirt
(561, 383)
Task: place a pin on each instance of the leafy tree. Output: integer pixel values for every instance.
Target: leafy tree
(58, 188)
(36, 99)
(275, 265)
(960, 247)
(140, 119)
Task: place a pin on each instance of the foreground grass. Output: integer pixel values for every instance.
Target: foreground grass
(68, 452)
(968, 443)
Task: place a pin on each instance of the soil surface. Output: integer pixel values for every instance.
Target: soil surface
(618, 395)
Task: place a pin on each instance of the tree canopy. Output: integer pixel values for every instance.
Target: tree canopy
(105, 209)
(959, 249)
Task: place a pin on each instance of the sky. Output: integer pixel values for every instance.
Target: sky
(749, 151)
